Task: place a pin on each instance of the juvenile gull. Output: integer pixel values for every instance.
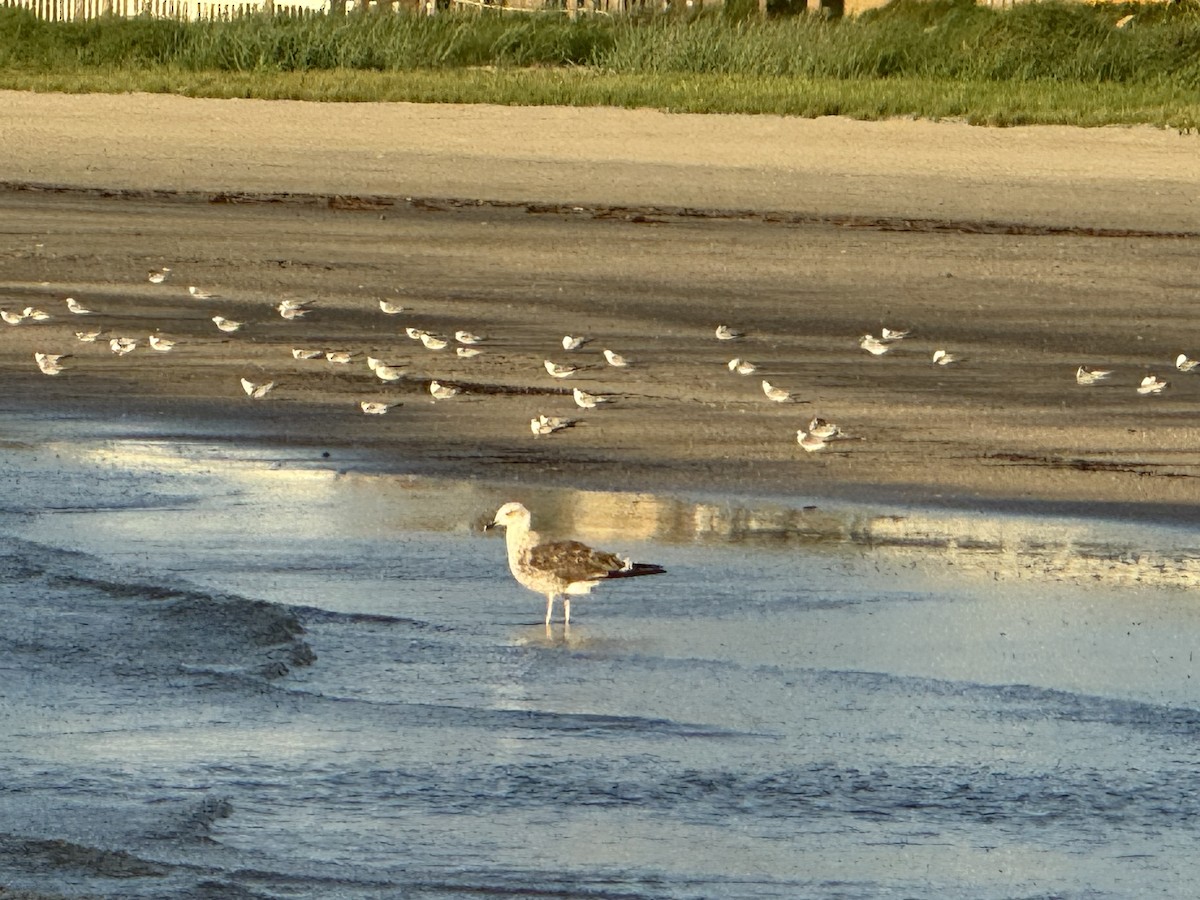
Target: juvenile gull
(584, 400)
(442, 391)
(299, 353)
(467, 352)
(742, 366)
(161, 344)
(391, 309)
(466, 337)
(810, 442)
(1185, 364)
(226, 325)
(373, 407)
(774, 394)
(889, 335)
(559, 371)
(87, 337)
(570, 342)
(725, 333)
(76, 307)
(616, 359)
(1151, 384)
(257, 391)
(432, 342)
(122, 345)
(942, 358)
(543, 424)
(872, 345)
(49, 362)
(1084, 375)
(559, 568)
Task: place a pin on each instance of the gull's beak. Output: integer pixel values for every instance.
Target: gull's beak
(490, 525)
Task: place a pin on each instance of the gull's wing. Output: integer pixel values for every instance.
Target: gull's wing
(572, 561)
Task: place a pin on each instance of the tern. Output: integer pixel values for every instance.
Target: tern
(1185, 364)
(256, 391)
(442, 391)
(12, 318)
(584, 400)
(49, 362)
(391, 309)
(573, 343)
(76, 307)
(465, 337)
(559, 371)
(873, 346)
(725, 333)
(942, 358)
(123, 345)
(373, 407)
(543, 424)
(199, 293)
(810, 442)
(1151, 384)
(307, 354)
(339, 357)
(559, 568)
(1085, 375)
(467, 352)
(777, 395)
(87, 337)
(889, 335)
(616, 359)
(161, 344)
(742, 366)
(433, 342)
(226, 325)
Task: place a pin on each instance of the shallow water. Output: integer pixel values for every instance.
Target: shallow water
(232, 672)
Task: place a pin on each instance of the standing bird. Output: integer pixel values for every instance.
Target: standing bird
(76, 307)
(559, 568)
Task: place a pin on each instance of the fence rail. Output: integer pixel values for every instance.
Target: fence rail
(71, 10)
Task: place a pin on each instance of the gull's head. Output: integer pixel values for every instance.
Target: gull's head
(510, 514)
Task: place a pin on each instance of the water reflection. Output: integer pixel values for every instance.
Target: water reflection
(992, 546)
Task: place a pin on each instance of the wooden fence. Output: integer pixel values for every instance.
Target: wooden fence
(70, 10)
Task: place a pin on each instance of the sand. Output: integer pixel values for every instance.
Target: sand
(1026, 252)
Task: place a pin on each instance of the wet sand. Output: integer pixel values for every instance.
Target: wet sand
(1025, 252)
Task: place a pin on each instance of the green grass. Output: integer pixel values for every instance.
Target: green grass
(1036, 63)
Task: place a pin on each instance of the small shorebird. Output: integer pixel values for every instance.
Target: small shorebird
(433, 342)
(774, 394)
(122, 345)
(584, 400)
(616, 359)
(1084, 375)
(442, 391)
(888, 335)
(76, 307)
(942, 358)
(1185, 364)
(391, 309)
(542, 424)
(465, 337)
(573, 343)
(872, 345)
(559, 371)
(725, 333)
(161, 344)
(373, 407)
(307, 354)
(558, 568)
(227, 325)
(1152, 384)
(467, 352)
(49, 362)
(809, 442)
(256, 391)
(742, 366)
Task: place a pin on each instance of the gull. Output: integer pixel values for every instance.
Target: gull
(559, 568)
(573, 343)
(373, 407)
(157, 276)
(1084, 375)
(392, 309)
(1184, 364)
(465, 337)
(433, 342)
(811, 443)
(742, 366)
(559, 371)
(200, 294)
(388, 373)
(414, 333)
(442, 391)
(87, 337)
(291, 309)
(616, 359)
(307, 354)
(161, 344)
(123, 345)
(543, 424)
(1151, 384)
(12, 318)
(873, 346)
(822, 430)
(225, 324)
(467, 352)
(38, 315)
(725, 333)
(76, 307)
(339, 357)
(257, 391)
(889, 335)
(777, 395)
(49, 362)
(584, 400)
(942, 358)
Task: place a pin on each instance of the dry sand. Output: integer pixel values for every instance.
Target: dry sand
(1026, 251)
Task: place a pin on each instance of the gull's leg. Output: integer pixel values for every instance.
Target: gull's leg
(566, 612)
(549, 609)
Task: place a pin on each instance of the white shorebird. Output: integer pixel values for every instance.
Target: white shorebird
(157, 276)
(38, 315)
(433, 342)
(584, 400)
(872, 345)
(87, 337)
(122, 345)
(559, 568)
(12, 318)
(559, 371)
(889, 335)
(774, 394)
(1084, 375)
(256, 391)
(299, 353)
(942, 358)
(76, 307)
(573, 343)
(414, 333)
(1152, 384)
(1185, 364)
(49, 362)
(339, 357)
(742, 366)
(725, 333)
(200, 293)
(467, 352)
(825, 431)
(292, 309)
(373, 407)
(442, 391)
(227, 325)
(616, 359)
(391, 309)
(161, 344)
(809, 442)
(466, 337)
(385, 372)
(543, 424)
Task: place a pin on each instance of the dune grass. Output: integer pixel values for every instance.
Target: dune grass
(1036, 63)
